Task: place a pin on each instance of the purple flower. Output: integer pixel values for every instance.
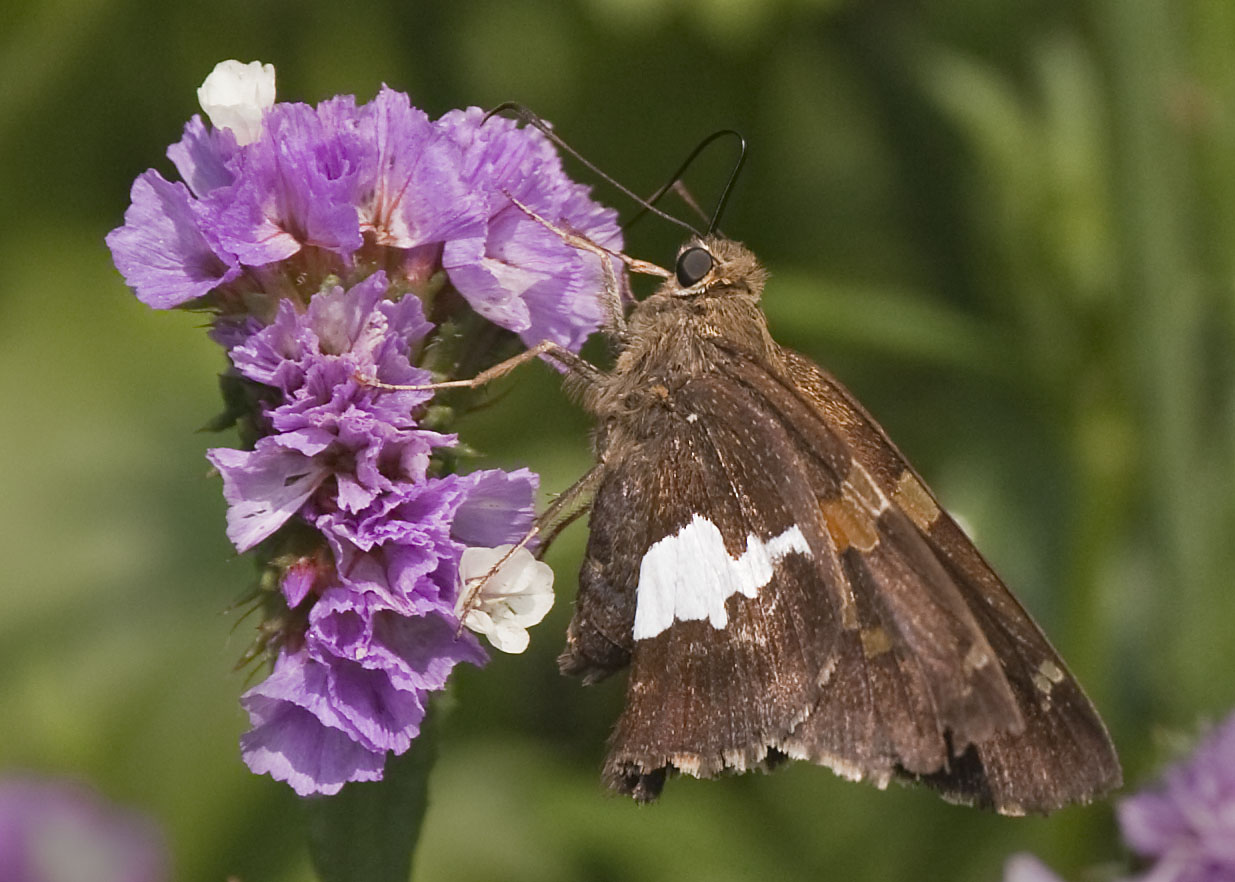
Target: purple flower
(1186, 824)
(329, 425)
(312, 187)
(413, 194)
(382, 635)
(320, 237)
(1027, 868)
(52, 831)
(293, 187)
(349, 459)
(163, 250)
(519, 274)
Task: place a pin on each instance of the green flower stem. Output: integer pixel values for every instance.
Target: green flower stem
(368, 831)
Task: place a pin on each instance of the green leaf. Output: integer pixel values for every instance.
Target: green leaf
(368, 831)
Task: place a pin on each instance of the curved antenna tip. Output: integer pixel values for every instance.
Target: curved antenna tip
(733, 176)
(540, 123)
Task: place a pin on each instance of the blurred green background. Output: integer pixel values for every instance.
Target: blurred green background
(1006, 224)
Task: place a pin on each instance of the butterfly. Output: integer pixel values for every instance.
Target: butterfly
(782, 584)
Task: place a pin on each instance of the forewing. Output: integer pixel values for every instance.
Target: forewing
(1056, 751)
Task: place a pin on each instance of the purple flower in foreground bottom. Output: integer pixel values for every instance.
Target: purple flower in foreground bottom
(59, 832)
(1187, 823)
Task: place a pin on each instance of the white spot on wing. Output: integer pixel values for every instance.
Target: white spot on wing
(688, 576)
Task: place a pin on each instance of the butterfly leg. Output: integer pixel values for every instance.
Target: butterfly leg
(552, 533)
(575, 364)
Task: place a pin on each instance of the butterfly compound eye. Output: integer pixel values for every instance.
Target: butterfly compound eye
(693, 265)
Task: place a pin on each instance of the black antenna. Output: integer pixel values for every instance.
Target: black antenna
(677, 176)
(538, 123)
(733, 177)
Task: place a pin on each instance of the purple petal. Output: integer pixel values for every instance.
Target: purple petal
(1027, 868)
(297, 679)
(409, 511)
(500, 157)
(338, 316)
(521, 275)
(202, 156)
(393, 574)
(273, 355)
(263, 488)
(341, 623)
(406, 320)
(401, 547)
(294, 188)
(292, 745)
(500, 507)
(298, 737)
(493, 287)
(330, 391)
(413, 193)
(379, 713)
(162, 251)
(419, 653)
(309, 440)
(401, 573)
(416, 651)
(526, 279)
(339, 694)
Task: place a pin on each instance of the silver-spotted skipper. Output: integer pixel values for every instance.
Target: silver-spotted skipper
(782, 584)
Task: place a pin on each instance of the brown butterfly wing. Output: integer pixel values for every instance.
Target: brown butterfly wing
(1061, 752)
(868, 655)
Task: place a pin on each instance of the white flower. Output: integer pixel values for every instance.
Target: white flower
(514, 598)
(235, 95)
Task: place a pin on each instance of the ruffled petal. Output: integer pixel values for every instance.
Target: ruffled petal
(162, 251)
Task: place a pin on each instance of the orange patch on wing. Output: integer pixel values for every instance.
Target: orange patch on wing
(915, 501)
(875, 641)
(849, 525)
(851, 520)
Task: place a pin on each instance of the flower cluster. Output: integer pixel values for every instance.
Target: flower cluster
(342, 249)
(53, 830)
(1183, 827)
(342, 188)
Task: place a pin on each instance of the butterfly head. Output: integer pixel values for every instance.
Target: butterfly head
(718, 266)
